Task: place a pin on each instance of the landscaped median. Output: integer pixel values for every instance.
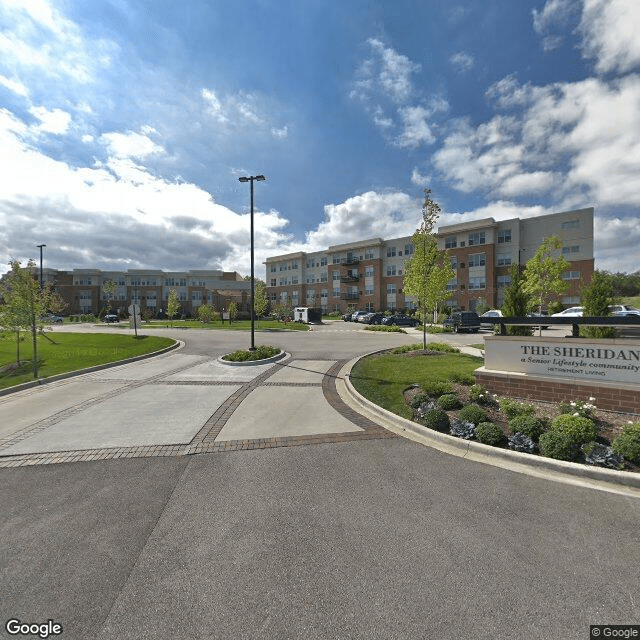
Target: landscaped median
(430, 396)
(61, 353)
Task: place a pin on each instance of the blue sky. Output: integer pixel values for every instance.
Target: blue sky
(124, 125)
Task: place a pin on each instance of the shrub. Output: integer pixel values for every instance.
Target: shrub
(582, 408)
(562, 441)
(437, 388)
(441, 346)
(437, 419)
(477, 393)
(514, 408)
(490, 433)
(416, 346)
(418, 399)
(473, 413)
(462, 378)
(262, 352)
(529, 425)
(384, 327)
(627, 444)
(449, 402)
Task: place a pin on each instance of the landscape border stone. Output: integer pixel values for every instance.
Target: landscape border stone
(560, 470)
(250, 363)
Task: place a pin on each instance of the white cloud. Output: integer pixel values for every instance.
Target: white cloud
(418, 179)
(555, 16)
(130, 145)
(416, 128)
(14, 85)
(610, 34)
(280, 133)
(55, 121)
(616, 242)
(394, 71)
(462, 61)
(367, 215)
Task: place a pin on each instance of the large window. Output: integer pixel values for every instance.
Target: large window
(450, 242)
(504, 281)
(575, 248)
(391, 252)
(391, 288)
(368, 272)
(391, 270)
(476, 238)
(477, 283)
(571, 224)
(504, 235)
(504, 259)
(571, 275)
(477, 260)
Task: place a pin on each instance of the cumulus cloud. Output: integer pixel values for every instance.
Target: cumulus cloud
(392, 71)
(130, 144)
(553, 20)
(610, 34)
(53, 121)
(462, 61)
(416, 128)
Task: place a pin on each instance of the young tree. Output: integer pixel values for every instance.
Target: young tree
(543, 274)
(25, 303)
(109, 288)
(596, 298)
(206, 313)
(260, 301)
(233, 311)
(173, 304)
(429, 270)
(516, 302)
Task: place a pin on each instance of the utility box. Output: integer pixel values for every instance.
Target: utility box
(307, 314)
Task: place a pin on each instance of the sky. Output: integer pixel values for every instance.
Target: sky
(125, 124)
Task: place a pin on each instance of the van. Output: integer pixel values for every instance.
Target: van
(461, 321)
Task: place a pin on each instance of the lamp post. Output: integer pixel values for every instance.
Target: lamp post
(40, 246)
(251, 179)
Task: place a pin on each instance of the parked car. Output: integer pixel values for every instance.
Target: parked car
(111, 317)
(371, 318)
(623, 310)
(488, 318)
(399, 321)
(461, 321)
(537, 314)
(568, 313)
(356, 314)
(53, 318)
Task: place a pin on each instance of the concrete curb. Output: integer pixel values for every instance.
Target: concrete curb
(253, 363)
(179, 344)
(558, 470)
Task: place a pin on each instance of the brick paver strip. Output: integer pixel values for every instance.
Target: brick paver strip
(204, 441)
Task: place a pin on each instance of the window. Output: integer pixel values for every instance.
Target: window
(410, 304)
(477, 260)
(504, 235)
(195, 295)
(450, 242)
(273, 282)
(294, 279)
(452, 285)
(335, 259)
(408, 249)
(572, 249)
(368, 271)
(336, 292)
(324, 293)
(391, 270)
(295, 295)
(504, 281)
(368, 290)
(571, 275)
(454, 262)
(323, 277)
(391, 288)
(368, 254)
(571, 224)
(336, 275)
(391, 305)
(476, 238)
(323, 262)
(391, 252)
(478, 283)
(504, 259)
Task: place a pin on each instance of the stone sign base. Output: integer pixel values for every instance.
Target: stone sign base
(611, 396)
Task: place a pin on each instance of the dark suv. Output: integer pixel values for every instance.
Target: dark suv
(463, 321)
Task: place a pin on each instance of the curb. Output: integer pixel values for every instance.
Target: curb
(253, 363)
(558, 470)
(179, 344)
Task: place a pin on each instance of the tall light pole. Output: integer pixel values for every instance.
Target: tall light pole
(251, 179)
(40, 246)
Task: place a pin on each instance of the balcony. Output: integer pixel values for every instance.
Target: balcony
(350, 277)
(349, 296)
(351, 260)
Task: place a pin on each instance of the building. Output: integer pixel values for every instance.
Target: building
(368, 274)
(83, 290)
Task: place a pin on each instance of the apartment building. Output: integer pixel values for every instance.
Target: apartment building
(369, 274)
(83, 289)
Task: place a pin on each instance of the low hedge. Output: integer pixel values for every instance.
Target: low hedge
(473, 413)
(438, 420)
(565, 436)
(449, 402)
(262, 352)
(490, 433)
(627, 444)
(529, 425)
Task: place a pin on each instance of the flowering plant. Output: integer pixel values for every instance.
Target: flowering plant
(582, 408)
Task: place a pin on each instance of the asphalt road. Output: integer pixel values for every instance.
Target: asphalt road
(367, 539)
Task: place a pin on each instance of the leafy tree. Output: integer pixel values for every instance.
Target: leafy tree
(205, 313)
(429, 270)
(481, 306)
(596, 298)
(25, 303)
(543, 273)
(109, 288)
(260, 301)
(516, 302)
(233, 311)
(173, 305)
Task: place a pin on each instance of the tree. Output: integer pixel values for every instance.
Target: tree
(516, 302)
(25, 303)
(543, 274)
(233, 311)
(596, 298)
(260, 301)
(206, 313)
(481, 306)
(173, 305)
(429, 270)
(109, 288)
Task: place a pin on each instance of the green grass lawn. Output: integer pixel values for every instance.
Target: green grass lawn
(69, 352)
(384, 378)
(236, 325)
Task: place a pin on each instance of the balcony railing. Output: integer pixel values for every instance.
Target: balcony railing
(349, 277)
(349, 296)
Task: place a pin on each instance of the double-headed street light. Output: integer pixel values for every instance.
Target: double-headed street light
(251, 179)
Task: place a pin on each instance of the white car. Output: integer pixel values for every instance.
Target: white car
(623, 310)
(489, 318)
(567, 313)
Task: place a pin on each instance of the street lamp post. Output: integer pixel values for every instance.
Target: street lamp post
(251, 179)
(40, 246)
